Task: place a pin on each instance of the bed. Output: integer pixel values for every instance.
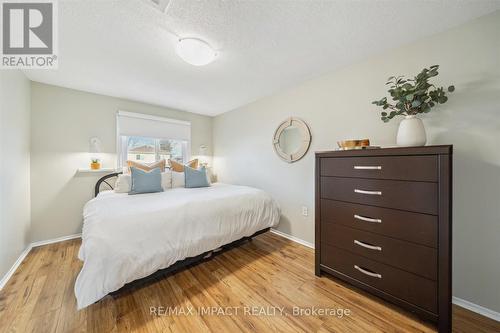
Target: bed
(129, 237)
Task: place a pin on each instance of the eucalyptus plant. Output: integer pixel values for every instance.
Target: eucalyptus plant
(412, 96)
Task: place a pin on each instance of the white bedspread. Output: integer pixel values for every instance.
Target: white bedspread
(128, 237)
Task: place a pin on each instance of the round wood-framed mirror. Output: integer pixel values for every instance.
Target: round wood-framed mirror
(292, 139)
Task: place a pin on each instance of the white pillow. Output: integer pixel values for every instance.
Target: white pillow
(177, 179)
(209, 175)
(124, 182)
(166, 180)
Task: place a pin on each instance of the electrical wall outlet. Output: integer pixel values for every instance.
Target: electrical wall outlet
(304, 211)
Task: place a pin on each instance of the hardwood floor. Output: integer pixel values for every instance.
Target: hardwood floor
(261, 275)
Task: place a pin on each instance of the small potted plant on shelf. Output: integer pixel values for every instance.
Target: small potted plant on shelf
(95, 164)
(412, 96)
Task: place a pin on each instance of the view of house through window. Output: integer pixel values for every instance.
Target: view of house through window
(151, 149)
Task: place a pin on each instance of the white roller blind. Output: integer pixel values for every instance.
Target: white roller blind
(137, 124)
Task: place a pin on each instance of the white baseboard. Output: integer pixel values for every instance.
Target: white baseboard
(14, 267)
(456, 300)
(55, 240)
(23, 255)
(292, 238)
(476, 308)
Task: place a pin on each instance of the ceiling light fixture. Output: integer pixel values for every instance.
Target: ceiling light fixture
(195, 51)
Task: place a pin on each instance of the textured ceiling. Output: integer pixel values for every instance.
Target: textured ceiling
(126, 48)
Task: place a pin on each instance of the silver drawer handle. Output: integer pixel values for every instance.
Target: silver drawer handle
(367, 167)
(367, 246)
(368, 192)
(367, 219)
(364, 271)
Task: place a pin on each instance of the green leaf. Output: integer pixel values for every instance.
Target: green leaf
(451, 88)
(415, 103)
(407, 86)
(443, 99)
(384, 114)
(409, 97)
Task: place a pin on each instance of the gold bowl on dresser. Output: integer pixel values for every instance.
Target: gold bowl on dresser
(353, 144)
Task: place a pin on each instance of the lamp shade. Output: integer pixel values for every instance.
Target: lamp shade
(203, 150)
(95, 145)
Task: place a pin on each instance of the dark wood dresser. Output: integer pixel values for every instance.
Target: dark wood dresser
(383, 224)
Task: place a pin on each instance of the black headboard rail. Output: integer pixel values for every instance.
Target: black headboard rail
(104, 180)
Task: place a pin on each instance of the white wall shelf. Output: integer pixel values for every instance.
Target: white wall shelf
(101, 170)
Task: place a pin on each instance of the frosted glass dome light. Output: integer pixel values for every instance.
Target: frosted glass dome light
(195, 51)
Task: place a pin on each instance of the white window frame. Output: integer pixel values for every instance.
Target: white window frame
(121, 147)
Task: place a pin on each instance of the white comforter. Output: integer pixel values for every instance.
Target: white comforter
(127, 237)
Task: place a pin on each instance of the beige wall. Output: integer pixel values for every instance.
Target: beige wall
(14, 166)
(337, 106)
(62, 122)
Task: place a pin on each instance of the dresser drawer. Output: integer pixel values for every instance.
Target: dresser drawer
(409, 226)
(406, 286)
(417, 259)
(411, 196)
(421, 168)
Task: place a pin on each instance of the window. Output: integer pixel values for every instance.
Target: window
(151, 149)
(150, 138)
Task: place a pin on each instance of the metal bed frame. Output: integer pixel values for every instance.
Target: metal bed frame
(105, 180)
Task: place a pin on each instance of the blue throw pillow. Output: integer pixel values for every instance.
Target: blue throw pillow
(144, 181)
(195, 177)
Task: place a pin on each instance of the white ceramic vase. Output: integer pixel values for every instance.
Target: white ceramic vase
(411, 132)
